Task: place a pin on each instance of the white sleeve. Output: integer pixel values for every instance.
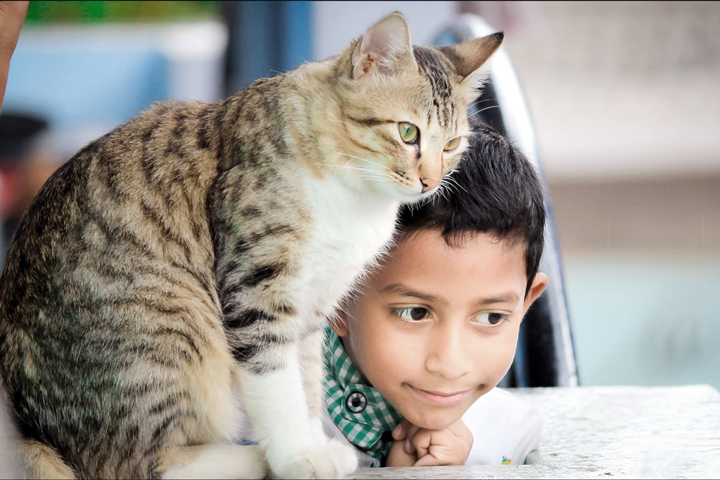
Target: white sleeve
(505, 429)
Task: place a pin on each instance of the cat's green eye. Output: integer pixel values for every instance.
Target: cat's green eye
(408, 132)
(452, 144)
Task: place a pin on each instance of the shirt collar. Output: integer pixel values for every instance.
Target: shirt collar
(357, 409)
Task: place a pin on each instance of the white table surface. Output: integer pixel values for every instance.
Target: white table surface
(608, 432)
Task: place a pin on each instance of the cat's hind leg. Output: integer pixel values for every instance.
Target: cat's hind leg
(42, 461)
(214, 461)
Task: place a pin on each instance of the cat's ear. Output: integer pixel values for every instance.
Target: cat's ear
(469, 56)
(385, 48)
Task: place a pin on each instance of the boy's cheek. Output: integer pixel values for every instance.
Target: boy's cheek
(493, 359)
(504, 358)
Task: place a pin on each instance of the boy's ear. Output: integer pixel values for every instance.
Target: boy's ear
(338, 322)
(538, 286)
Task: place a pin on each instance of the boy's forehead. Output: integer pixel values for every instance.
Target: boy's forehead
(426, 254)
(429, 241)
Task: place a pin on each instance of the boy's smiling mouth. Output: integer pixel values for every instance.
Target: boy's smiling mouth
(442, 399)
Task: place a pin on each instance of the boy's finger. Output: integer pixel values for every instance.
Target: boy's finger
(410, 431)
(427, 461)
(398, 432)
(421, 441)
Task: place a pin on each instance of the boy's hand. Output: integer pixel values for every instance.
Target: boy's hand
(398, 457)
(422, 447)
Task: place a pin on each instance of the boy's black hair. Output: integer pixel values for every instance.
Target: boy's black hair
(495, 190)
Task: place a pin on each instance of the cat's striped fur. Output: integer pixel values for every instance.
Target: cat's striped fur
(188, 259)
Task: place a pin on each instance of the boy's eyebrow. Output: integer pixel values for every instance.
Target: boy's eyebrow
(399, 289)
(510, 297)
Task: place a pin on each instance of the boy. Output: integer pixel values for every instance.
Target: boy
(434, 327)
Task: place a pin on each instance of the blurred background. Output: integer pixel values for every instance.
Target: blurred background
(625, 99)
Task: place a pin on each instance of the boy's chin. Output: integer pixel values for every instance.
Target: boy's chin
(434, 420)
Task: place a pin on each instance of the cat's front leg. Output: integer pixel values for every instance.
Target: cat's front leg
(313, 373)
(271, 382)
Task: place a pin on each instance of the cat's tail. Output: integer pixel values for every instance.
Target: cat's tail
(39, 460)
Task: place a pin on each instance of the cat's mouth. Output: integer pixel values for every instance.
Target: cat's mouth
(413, 197)
(422, 195)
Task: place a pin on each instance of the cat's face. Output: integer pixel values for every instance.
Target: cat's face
(404, 123)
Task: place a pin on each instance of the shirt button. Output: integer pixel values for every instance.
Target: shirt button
(356, 402)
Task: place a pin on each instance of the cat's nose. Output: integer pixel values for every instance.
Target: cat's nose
(429, 184)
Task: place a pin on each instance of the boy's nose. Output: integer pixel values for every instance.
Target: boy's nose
(447, 355)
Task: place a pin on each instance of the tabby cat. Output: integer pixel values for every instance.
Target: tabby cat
(168, 287)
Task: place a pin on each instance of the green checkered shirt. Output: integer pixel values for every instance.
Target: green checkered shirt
(358, 410)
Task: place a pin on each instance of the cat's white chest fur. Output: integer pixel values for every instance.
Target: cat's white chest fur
(349, 229)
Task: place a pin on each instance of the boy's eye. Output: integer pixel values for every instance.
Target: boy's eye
(412, 314)
(408, 132)
(491, 318)
(452, 144)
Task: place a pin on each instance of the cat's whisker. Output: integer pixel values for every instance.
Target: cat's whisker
(480, 110)
(449, 187)
(346, 167)
(452, 189)
(454, 183)
(355, 157)
(363, 159)
(416, 206)
(365, 173)
(442, 192)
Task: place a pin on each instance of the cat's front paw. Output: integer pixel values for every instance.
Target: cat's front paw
(332, 460)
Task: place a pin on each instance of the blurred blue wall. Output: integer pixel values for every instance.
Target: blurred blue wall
(73, 84)
(87, 79)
